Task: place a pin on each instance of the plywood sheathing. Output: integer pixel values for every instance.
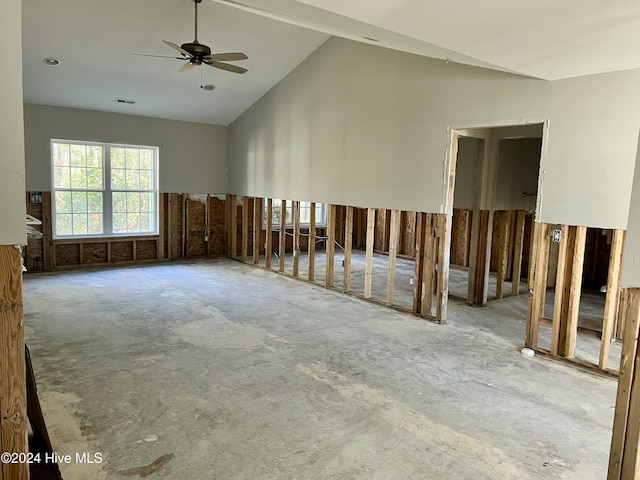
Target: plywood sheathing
(461, 237)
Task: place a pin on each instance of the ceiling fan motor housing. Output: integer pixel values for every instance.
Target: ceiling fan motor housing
(196, 49)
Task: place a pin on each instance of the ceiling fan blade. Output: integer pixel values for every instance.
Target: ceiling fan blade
(226, 66)
(157, 56)
(226, 57)
(178, 48)
(186, 67)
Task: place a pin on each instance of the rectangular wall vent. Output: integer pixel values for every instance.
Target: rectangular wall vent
(124, 100)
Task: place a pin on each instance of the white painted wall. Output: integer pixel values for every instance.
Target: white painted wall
(518, 166)
(362, 125)
(631, 259)
(193, 156)
(12, 205)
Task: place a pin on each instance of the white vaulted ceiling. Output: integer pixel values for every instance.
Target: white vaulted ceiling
(94, 40)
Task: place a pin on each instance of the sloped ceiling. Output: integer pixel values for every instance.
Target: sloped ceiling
(94, 40)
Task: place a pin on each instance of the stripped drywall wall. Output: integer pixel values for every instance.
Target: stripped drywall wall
(362, 125)
(12, 178)
(193, 156)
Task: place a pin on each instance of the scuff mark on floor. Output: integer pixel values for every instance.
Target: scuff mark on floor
(158, 465)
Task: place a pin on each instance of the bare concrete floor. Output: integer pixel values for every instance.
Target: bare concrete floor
(214, 369)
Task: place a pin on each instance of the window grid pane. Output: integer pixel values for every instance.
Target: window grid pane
(78, 171)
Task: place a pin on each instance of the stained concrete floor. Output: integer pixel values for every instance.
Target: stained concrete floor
(214, 369)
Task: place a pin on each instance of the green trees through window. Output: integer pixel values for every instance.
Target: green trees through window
(103, 189)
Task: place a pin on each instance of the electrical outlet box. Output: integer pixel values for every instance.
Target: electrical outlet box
(35, 197)
(556, 235)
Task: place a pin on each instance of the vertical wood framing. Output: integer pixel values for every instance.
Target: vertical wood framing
(348, 244)
(47, 232)
(185, 224)
(233, 224)
(537, 289)
(623, 455)
(257, 229)
(13, 382)
(161, 222)
(268, 249)
(561, 306)
(368, 266)
(296, 237)
(312, 242)
(480, 258)
(172, 227)
(283, 232)
(442, 274)
(394, 238)
(331, 245)
(419, 254)
(575, 292)
(428, 264)
(613, 296)
(245, 228)
(518, 248)
(502, 252)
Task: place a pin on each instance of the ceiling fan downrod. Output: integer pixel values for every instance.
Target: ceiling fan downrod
(196, 29)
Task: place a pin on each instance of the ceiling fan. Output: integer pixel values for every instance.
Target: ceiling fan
(196, 53)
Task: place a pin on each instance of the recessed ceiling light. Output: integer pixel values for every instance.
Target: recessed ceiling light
(51, 61)
(208, 87)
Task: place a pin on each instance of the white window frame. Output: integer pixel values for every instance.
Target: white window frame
(107, 191)
(321, 219)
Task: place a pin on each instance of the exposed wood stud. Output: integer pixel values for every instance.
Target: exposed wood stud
(518, 248)
(47, 232)
(185, 224)
(283, 232)
(257, 229)
(442, 273)
(245, 228)
(560, 307)
(233, 213)
(161, 224)
(13, 382)
(268, 251)
(368, 267)
(312, 242)
(331, 245)
(296, 237)
(613, 296)
(575, 291)
(348, 244)
(419, 252)
(172, 229)
(480, 258)
(502, 252)
(429, 264)
(623, 455)
(537, 290)
(394, 238)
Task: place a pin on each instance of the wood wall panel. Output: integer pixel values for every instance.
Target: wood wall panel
(93, 253)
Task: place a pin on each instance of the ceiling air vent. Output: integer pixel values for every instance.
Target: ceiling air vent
(124, 100)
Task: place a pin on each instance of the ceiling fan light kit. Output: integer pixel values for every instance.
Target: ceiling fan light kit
(196, 54)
